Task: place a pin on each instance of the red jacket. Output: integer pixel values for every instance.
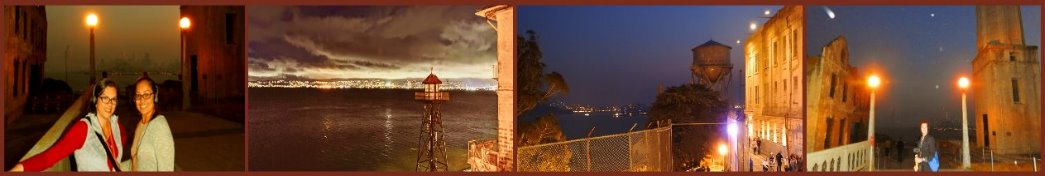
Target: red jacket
(71, 141)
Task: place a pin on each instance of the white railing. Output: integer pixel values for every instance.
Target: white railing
(846, 158)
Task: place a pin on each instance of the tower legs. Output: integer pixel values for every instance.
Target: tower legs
(431, 153)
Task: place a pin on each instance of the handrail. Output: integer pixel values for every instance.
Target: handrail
(594, 138)
(846, 158)
(75, 111)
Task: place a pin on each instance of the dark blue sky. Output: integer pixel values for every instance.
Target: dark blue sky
(619, 54)
(917, 48)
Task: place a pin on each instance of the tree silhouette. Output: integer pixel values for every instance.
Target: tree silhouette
(535, 87)
(690, 103)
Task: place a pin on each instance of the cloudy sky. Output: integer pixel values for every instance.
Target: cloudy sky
(382, 42)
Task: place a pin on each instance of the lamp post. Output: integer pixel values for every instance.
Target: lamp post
(872, 82)
(92, 22)
(963, 83)
(732, 130)
(184, 24)
(723, 150)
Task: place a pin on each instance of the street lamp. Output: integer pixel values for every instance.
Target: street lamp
(92, 22)
(963, 83)
(872, 82)
(723, 150)
(184, 24)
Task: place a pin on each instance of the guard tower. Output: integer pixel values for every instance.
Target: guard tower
(431, 152)
(1006, 84)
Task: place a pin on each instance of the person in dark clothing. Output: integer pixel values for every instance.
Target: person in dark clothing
(750, 165)
(926, 149)
(779, 161)
(758, 146)
(899, 150)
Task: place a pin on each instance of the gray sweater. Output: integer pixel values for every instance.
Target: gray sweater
(91, 157)
(153, 147)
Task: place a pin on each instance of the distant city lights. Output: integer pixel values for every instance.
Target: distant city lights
(369, 84)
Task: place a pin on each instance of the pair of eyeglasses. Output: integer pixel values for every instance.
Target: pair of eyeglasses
(144, 96)
(107, 100)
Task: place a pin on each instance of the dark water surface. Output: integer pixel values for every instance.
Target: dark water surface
(356, 130)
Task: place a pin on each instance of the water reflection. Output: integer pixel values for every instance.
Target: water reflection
(388, 133)
(356, 130)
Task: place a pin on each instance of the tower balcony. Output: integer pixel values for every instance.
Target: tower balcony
(432, 96)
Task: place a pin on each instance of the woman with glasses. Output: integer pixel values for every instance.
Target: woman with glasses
(153, 146)
(95, 141)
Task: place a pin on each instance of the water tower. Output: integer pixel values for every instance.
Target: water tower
(711, 66)
(431, 152)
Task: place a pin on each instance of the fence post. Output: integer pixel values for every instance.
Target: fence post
(656, 135)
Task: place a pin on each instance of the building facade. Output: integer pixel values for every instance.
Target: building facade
(773, 82)
(213, 70)
(837, 100)
(25, 51)
(1006, 84)
(502, 19)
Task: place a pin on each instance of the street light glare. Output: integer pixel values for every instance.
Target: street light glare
(963, 82)
(873, 81)
(723, 149)
(92, 20)
(732, 129)
(184, 23)
(753, 26)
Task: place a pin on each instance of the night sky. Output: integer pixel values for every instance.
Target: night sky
(124, 34)
(614, 55)
(921, 52)
(380, 42)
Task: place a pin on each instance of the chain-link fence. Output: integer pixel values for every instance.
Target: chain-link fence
(638, 151)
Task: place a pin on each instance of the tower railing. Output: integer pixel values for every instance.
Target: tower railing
(434, 96)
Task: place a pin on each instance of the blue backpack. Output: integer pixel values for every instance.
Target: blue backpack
(934, 164)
